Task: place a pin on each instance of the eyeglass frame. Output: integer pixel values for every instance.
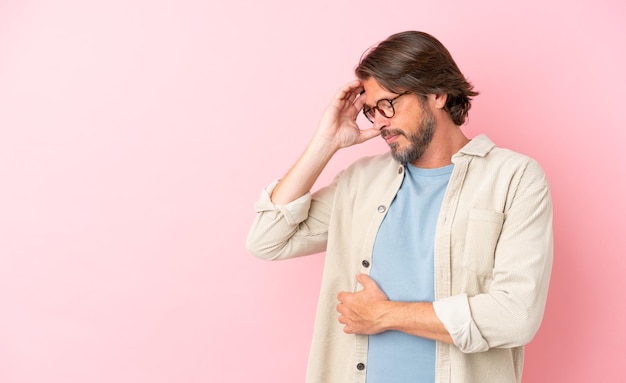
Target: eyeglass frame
(377, 108)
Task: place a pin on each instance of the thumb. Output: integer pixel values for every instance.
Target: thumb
(368, 134)
(364, 279)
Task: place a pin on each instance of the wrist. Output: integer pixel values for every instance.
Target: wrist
(322, 147)
(387, 316)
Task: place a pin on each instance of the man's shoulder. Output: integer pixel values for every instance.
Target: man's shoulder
(481, 146)
(507, 160)
(506, 154)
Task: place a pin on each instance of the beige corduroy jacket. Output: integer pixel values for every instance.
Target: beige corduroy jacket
(493, 257)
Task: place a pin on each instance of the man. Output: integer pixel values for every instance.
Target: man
(438, 254)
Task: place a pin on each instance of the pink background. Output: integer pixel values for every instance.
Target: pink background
(136, 135)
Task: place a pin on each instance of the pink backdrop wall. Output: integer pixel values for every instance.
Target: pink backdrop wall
(136, 135)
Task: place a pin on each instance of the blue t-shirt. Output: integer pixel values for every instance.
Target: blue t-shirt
(403, 266)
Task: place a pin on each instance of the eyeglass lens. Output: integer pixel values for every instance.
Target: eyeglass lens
(385, 107)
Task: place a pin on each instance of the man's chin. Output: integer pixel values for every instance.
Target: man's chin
(398, 155)
(404, 156)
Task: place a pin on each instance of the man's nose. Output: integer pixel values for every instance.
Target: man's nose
(380, 121)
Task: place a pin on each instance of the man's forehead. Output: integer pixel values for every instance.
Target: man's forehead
(373, 92)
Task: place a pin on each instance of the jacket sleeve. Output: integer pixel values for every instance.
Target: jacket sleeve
(509, 313)
(291, 230)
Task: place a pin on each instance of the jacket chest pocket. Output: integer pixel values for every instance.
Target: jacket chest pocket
(483, 230)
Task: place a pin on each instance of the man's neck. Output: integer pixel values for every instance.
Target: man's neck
(447, 141)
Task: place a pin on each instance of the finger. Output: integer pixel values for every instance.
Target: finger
(344, 312)
(360, 100)
(349, 91)
(342, 309)
(341, 296)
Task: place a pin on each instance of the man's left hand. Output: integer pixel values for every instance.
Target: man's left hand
(363, 312)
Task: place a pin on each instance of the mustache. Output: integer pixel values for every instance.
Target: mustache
(391, 132)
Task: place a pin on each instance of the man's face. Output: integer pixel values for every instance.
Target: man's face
(410, 131)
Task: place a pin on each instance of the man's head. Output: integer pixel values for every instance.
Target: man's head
(414, 123)
(417, 62)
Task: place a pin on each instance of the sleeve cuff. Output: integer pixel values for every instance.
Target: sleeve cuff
(294, 212)
(454, 312)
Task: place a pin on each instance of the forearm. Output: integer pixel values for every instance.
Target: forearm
(414, 318)
(369, 312)
(300, 178)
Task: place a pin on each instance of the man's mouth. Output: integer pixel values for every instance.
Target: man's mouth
(390, 135)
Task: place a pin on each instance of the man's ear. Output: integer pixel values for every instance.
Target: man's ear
(440, 100)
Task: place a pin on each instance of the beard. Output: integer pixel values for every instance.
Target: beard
(418, 141)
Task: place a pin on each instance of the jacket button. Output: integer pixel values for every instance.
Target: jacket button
(360, 367)
(365, 263)
(381, 209)
(400, 170)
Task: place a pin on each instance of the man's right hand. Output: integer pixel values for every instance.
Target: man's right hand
(338, 126)
(337, 129)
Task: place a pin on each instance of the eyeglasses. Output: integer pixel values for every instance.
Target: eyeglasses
(384, 107)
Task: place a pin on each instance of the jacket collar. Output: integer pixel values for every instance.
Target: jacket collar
(479, 146)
